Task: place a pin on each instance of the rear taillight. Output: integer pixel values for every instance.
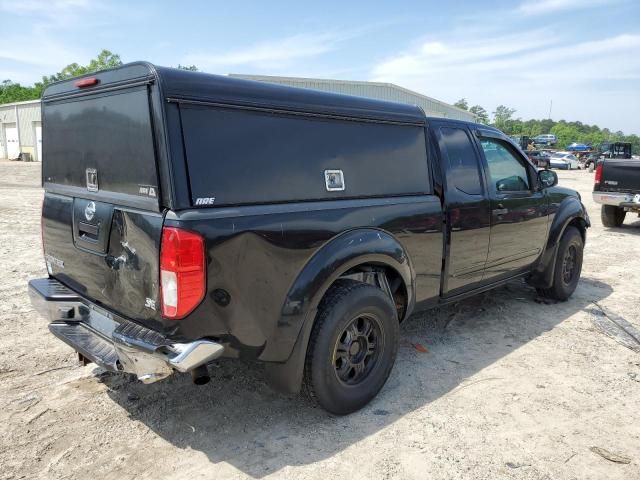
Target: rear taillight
(598, 178)
(182, 272)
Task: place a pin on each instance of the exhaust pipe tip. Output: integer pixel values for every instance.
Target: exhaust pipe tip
(200, 375)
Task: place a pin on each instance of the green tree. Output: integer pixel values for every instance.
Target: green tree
(481, 113)
(14, 92)
(566, 133)
(501, 116)
(191, 68)
(104, 61)
(462, 103)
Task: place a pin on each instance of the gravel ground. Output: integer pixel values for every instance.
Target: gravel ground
(507, 388)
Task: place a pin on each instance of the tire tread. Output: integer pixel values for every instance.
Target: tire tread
(341, 295)
(612, 216)
(334, 294)
(556, 291)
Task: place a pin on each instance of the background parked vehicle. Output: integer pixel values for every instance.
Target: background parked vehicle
(589, 161)
(617, 183)
(540, 158)
(621, 150)
(546, 139)
(579, 147)
(522, 141)
(564, 161)
(615, 150)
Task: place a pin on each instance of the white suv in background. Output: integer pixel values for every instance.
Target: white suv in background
(546, 139)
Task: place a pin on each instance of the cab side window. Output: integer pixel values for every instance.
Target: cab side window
(508, 173)
(463, 169)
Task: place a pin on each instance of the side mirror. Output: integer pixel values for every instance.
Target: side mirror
(548, 178)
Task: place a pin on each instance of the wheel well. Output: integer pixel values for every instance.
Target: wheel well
(581, 225)
(385, 278)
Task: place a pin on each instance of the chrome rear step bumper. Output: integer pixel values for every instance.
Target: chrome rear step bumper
(617, 199)
(114, 343)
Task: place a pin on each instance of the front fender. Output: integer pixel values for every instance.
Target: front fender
(570, 210)
(342, 253)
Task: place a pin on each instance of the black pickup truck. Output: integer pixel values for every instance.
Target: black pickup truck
(189, 217)
(617, 188)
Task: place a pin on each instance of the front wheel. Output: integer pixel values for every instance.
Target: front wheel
(353, 346)
(567, 267)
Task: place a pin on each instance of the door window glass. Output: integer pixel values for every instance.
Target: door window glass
(508, 174)
(463, 171)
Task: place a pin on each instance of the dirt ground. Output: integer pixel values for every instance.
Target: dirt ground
(508, 388)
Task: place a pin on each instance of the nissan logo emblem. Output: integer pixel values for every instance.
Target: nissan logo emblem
(90, 211)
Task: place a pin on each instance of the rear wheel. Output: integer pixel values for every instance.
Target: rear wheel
(612, 216)
(353, 346)
(567, 268)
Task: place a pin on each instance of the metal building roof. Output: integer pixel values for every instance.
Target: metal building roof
(378, 90)
(14, 104)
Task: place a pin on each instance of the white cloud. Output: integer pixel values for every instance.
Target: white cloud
(543, 7)
(38, 48)
(476, 54)
(526, 71)
(38, 51)
(274, 53)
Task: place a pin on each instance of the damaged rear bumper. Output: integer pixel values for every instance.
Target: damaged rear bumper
(114, 343)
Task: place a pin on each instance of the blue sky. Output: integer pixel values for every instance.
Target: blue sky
(582, 54)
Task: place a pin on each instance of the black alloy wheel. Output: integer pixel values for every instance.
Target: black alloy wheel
(358, 349)
(569, 264)
(352, 348)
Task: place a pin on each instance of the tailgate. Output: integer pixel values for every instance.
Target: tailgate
(101, 217)
(621, 175)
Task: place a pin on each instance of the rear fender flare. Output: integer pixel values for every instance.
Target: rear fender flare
(339, 255)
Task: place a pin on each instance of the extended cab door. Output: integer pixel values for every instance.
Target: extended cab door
(467, 207)
(518, 208)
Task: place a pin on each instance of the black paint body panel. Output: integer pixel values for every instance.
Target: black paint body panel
(276, 262)
(123, 276)
(619, 175)
(276, 238)
(287, 156)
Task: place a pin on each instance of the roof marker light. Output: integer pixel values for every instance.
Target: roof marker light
(86, 82)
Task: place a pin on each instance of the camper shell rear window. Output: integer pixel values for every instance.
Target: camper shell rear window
(109, 135)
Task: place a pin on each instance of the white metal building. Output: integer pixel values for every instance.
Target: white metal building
(21, 130)
(379, 91)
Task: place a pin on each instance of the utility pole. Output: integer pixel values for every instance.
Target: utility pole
(550, 106)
